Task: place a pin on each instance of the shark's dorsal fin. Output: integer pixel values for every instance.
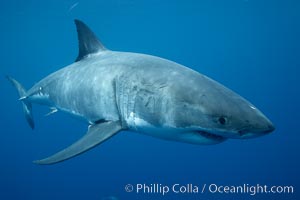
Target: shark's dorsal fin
(87, 41)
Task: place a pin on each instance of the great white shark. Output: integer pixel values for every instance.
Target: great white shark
(114, 91)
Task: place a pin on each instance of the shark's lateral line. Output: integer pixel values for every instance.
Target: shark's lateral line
(115, 91)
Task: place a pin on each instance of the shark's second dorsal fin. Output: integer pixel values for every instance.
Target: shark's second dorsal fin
(88, 42)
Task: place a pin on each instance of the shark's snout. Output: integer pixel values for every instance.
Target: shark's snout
(261, 126)
(270, 128)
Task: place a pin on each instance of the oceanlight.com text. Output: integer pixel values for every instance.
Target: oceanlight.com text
(249, 189)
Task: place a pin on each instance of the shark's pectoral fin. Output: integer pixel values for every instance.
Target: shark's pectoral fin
(96, 134)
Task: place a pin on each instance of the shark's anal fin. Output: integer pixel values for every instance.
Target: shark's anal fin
(88, 42)
(27, 107)
(96, 134)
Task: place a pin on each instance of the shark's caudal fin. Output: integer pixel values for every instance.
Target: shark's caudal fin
(87, 41)
(96, 134)
(27, 108)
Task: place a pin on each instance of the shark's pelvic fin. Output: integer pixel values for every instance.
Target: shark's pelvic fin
(88, 42)
(52, 111)
(27, 108)
(96, 134)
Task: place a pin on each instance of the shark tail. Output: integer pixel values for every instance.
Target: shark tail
(27, 107)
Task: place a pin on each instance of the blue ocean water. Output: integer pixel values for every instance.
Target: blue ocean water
(251, 46)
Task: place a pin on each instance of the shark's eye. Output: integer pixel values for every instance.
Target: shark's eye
(222, 120)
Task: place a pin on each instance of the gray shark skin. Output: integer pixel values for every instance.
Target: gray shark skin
(114, 91)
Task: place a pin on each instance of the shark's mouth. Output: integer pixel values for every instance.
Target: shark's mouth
(211, 136)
